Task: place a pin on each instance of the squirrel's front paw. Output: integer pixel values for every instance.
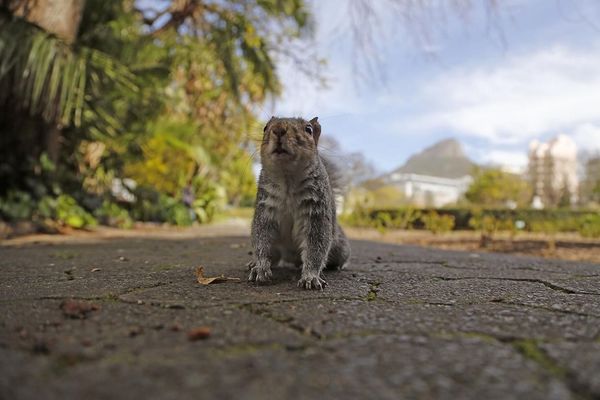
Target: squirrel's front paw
(260, 274)
(312, 282)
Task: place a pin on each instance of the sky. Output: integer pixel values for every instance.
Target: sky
(530, 71)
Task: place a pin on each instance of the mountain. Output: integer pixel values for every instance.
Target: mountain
(445, 159)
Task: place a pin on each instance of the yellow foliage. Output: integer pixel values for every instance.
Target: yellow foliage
(166, 165)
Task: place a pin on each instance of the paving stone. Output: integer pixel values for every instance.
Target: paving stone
(399, 322)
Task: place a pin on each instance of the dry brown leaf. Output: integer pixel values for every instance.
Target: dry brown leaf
(214, 279)
(199, 333)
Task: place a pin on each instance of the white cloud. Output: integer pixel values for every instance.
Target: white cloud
(587, 137)
(512, 161)
(552, 90)
(303, 96)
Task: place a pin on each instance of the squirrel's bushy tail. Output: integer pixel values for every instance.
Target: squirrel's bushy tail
(336, 179)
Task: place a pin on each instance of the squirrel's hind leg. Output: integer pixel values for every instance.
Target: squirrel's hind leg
(339, 253)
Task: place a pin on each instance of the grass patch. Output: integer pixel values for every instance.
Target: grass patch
(530, 349)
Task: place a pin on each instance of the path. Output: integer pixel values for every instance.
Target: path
(400, 322)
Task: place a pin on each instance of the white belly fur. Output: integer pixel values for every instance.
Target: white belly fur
(290, 237)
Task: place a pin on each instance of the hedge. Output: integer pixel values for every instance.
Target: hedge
(563, 220)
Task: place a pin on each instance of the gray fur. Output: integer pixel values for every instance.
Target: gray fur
(295, 216)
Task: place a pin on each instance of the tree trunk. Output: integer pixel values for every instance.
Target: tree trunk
(60, 17)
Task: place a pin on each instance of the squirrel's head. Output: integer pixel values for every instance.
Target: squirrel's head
(289, 141)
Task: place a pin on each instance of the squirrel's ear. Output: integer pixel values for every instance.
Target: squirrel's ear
(265, 128)
(316, 128)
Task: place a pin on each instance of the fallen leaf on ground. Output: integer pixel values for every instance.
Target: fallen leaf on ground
(77, 309)
(215, 279)
(200, 333)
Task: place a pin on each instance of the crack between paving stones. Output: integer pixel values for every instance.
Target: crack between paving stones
(549, 285)
(272, 302)
(108, 296)
(116, 298)
(444, 264)
(291, 323)
(531, 350)
(251, 348)
(447, 265)
(540, 307)
(287, 321)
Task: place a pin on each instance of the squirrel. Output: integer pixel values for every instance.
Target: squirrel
(295, 214)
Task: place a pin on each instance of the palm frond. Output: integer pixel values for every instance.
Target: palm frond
(51, 79)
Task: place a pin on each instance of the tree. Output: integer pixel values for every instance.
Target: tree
(565, 198)
(205, 65)
(48, 82)
(86, 88)
(353, 167)
(496, 188)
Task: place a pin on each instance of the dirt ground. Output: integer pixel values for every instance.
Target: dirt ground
(567, 246)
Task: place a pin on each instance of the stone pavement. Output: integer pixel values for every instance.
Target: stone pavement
(400, 322)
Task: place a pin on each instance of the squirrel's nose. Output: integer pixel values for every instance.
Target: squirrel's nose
(279, 132)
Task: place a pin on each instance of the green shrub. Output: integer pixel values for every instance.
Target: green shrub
(548, 227)
(360, 217)
(112, 214)
(590, 226)
(69, 213)
(383, 221)
(46, 207)
(157, 207)
(173, 211)
(466, 218)
(487, 224)
(17, 205)
(210, 199)
(437, 223)
(147, 206)
(406, 218)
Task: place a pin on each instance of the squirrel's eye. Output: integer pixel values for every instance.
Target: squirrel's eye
(308, 129)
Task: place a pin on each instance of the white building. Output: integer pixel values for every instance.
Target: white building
(430, 191)
(553, 169)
